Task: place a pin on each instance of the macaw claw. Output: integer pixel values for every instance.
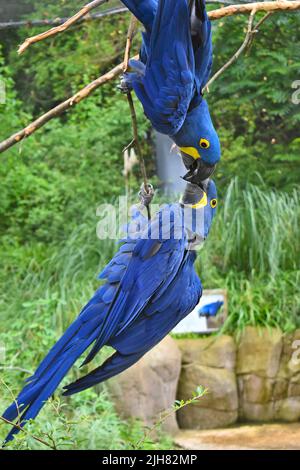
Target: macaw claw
(124, 85)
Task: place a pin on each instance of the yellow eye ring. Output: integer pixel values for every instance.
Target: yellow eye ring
(204, 143)
(213, 203)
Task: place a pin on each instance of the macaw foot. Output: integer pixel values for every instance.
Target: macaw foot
(125, 85)
(198, 172)
(146, 196)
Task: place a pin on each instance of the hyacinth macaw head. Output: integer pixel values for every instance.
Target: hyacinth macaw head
(199, 210)
(197, 138)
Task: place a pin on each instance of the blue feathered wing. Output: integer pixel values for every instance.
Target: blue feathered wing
(140, 270)
(159, 317)
(165, 84)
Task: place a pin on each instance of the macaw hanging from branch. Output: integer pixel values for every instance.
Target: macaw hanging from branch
(174, 66)
(247, 9)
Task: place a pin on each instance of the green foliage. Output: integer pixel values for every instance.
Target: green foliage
(52, 179)
(252, 100)
(51, 184)
(261, 230)
(42, 293)
(253, 250)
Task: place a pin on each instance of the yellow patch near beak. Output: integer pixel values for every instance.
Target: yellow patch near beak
(190, 151)
(201, 203)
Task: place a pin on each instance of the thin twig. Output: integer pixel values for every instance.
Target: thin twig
(61, 28)
(20, 369)
(135, 141)
(237, 54)
(14, 399)
(59, 109)
(130, 35)
(201, 391)
(257, 26)
(59, 21)
(250, 34)
(7, 421)
(263, 19)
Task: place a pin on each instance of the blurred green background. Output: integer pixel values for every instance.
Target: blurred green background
(52, 183)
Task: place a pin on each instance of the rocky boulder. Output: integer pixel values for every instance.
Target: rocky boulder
(209, 362)
(149, 387)
(268, 375)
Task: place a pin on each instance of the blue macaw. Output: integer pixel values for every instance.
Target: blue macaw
(210, 310)
(135, 309)
(174, 66)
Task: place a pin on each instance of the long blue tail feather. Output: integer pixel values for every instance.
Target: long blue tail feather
(114, 365)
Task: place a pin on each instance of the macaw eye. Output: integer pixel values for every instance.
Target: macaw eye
(204, 143)
(213, 203)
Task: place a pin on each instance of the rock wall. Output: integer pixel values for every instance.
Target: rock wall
(149, 387)
(268, 376)
(209, 362)
(253, 378)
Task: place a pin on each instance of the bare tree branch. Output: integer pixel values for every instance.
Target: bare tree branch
(60, 21)
(130, 35)
(213, 15)
(38, 439)
(283, 5)
(59, 29)
(91, 17)
(59, 109)
(135, 141)
(251, 31)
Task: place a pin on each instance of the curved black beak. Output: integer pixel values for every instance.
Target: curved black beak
(198, 171)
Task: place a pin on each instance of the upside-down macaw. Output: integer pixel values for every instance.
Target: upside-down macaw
(136, 307)
(174, 66)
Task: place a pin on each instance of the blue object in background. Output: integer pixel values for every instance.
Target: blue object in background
(210, 310)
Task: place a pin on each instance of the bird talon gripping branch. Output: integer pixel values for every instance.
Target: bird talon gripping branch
(124, 85)
(146, 195)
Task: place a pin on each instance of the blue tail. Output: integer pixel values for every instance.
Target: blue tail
(114, 365)
(55, 366)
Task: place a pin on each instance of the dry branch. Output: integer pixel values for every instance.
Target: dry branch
(283, 5)
(135, 141)
(61, 28)
(13, 24)
(250, 34)
(60, 21)
(230, 10)
(130, 35)
(19, 427)
(59, 109)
